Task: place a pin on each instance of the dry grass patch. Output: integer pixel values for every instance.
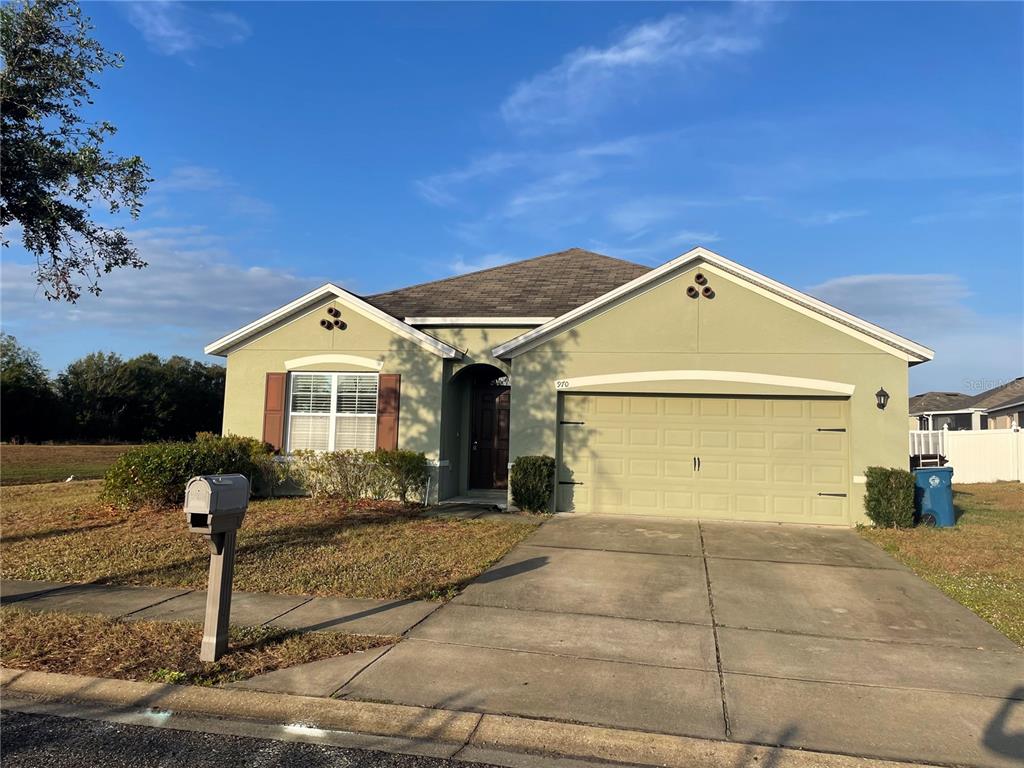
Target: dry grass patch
(61, 532)
(158, 651)
(980, 562)
(53, 463)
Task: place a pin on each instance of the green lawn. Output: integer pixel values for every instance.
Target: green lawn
(61, 532)
(21, 464)
(980, 562)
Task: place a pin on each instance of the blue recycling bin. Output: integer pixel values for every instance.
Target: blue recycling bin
(933, 496)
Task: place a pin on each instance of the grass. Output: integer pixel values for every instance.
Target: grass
(61, 532)
(980, 562)
(21, 464)
(158, 651)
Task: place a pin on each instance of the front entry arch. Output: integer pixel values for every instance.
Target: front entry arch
(487, 393)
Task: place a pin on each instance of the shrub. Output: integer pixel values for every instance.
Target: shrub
(351, 475)
(406, 472)
(889, 497)
(156, 473)
(532, 480)
(333, 474)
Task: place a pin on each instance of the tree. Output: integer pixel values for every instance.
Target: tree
(27, 398)
(144, 398)
(54, 165)
(91, 393)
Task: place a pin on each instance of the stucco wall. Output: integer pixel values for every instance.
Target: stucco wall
(476, 343)
(301, 336)
(737, 330)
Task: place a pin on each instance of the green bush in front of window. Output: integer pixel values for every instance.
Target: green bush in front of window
(532, 481)
(351, 475)
(889, 497)
(155, 474)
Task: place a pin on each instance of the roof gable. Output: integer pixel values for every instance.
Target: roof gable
(843, 321)
(232, 340)
(540, 288)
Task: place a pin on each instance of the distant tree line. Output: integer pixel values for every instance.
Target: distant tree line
(103, 397)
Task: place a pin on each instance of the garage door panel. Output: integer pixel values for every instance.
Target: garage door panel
(760, 458)
(679, 438)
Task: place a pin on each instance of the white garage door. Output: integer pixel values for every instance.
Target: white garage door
(783, 459)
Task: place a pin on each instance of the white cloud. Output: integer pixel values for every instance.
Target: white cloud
(445, 189)
(932, 309)
(657, 249)
(636, 216)
(202, 179)
(193, 178)
(588, 78)
(178, 28)
(826, 218)
(192, 292)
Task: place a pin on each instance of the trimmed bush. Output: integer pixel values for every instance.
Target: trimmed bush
(156, 474)
(889, 497)
(406, 472)
(532, 481)
(351, 475)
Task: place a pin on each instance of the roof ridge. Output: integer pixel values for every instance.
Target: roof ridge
(501, 266)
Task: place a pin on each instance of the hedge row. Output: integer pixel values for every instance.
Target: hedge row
(156, 474)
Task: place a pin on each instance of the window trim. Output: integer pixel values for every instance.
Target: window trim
(333, 415)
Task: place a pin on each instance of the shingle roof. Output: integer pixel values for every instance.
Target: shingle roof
(1004, 394)
(544, 286)
(929, 402)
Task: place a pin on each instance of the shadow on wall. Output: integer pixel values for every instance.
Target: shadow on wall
(419, 419)
(534, 413)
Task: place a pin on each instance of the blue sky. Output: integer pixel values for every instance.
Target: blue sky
(869, 153)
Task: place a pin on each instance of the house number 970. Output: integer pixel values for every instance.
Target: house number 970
(562, 384)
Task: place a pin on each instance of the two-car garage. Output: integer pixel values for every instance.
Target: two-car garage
(784, 459)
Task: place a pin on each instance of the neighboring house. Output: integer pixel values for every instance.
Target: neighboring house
(1001, 407)
(699, 388)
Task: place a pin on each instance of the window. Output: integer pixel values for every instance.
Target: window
(332, 412)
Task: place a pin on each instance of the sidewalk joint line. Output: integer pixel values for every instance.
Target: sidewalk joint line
(714, 630)
(308, 599)
(469, 738)
(146, 607)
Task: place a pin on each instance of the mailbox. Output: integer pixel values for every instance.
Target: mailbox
(215, 507)
(216, 503)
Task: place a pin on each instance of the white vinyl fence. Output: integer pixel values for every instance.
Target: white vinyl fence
(977, 456)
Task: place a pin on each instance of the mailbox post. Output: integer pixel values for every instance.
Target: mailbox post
(215, 506)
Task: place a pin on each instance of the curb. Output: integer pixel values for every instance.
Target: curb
(500, 739)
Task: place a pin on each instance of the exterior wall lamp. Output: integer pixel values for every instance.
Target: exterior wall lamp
(882, 399)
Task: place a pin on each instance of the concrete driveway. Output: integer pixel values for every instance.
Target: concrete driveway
(767, 634)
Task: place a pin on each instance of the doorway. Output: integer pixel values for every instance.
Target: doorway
(490, 398)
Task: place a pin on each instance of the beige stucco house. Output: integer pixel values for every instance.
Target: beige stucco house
(696, 389)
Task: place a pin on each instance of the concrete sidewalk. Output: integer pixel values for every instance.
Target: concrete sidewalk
(308, 614)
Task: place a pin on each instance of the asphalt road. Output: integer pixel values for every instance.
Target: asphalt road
(61, 742)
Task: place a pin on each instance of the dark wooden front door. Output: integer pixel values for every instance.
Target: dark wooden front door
(488, 448)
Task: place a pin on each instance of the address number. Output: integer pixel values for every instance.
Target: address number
(562, 384)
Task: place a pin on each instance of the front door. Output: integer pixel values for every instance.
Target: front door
(488, 448)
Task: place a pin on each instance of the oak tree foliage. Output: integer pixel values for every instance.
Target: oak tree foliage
(57, 181)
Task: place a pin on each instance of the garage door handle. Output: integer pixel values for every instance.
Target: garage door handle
(569, 482)
(696, 463)
(573, 422)
(833, 429)
(841, 495)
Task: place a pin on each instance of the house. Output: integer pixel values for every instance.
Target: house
(1001, 407)
(698, 388)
